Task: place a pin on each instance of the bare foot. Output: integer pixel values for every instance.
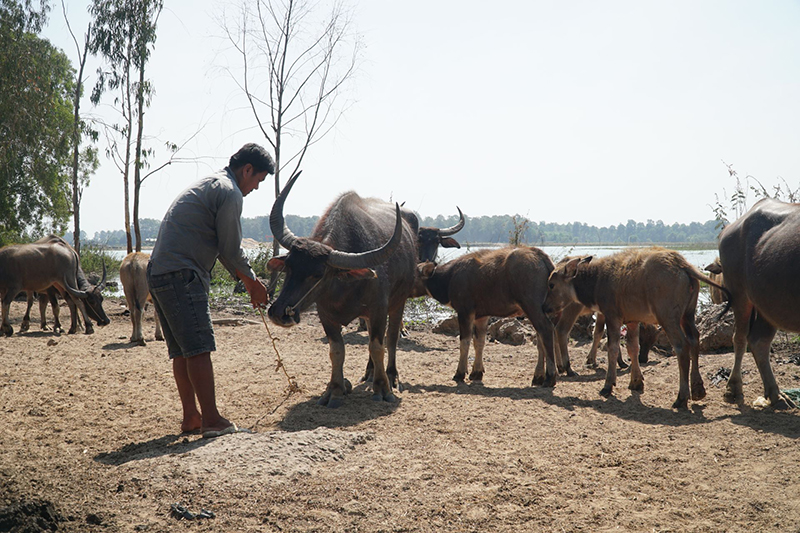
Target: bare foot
(191, 424)
(221, 424)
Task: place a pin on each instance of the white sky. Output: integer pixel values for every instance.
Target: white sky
(597, 112)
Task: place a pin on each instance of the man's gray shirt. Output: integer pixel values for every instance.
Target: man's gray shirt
(201, 225)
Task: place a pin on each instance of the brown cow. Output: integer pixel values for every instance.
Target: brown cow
(760, 254)
(715, 268)
(133, 276)
(502, 282)
(650, 285)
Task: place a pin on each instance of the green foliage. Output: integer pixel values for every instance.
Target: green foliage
(92, 260)
(424, 311)
(259, 260)
(519, 228)
(35, 126)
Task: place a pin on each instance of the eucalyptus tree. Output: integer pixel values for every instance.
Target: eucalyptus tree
(124, 32)
(295, 62)
(36, 84)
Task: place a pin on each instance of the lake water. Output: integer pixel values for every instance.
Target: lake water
(699, 258)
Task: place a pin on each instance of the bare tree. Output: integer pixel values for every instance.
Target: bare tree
(295, 63)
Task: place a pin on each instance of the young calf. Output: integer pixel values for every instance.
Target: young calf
(502, 282)
(133, 275)
(650, 285)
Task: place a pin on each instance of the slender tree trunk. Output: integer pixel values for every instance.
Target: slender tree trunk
(137, 176)
(76, 139)
(128, 105)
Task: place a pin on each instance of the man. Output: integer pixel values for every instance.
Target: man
(202, 225)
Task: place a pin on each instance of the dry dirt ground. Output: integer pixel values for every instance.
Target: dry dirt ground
(90, 442)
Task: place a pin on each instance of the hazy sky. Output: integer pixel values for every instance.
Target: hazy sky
(588, 111)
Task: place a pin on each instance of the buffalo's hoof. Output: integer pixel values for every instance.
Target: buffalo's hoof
(591, 363)
(159, 337)
(476, 376)
(605, 392)
(549, 381)
(733, 397)
(459, 377)
(25, 326)
(367, 377)
(384, 397)
(89, 330)
(643, 359)
(7, 331)
(330, 401)
(537, 380)
(698, 392)
(783, 403)
(394, 380)
(622, 364)
(681, 403)
(636, 386)
(571, 373)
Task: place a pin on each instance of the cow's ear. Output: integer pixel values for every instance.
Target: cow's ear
(571, 268)
(356, 274)
(449, 242)
(426, 269)
(277, 264)
(715, 267)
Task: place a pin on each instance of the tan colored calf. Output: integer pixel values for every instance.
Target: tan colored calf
(133, 275)
(650, 285)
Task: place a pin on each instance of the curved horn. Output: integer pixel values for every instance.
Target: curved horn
(75, 293)
(446, 232)
(277, 224)
(348, 261)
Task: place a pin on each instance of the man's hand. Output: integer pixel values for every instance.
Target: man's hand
(256, 289)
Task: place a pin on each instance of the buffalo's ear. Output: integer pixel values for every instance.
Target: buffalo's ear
(425, 270)
(571, 268)
(276, 264)
(356, 274)
(449, 242)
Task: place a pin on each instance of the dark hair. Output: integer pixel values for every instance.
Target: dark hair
(254, 154)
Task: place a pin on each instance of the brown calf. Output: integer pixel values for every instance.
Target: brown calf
(504, 282)
(133, 275)
(650, 285)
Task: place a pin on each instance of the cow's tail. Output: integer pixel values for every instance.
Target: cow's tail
(696, 274)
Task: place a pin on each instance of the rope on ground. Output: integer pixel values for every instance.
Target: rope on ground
(293, 386)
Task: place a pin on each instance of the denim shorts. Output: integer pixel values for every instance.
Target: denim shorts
(182, 304)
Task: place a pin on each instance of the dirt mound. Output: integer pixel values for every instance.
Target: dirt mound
(32, 516)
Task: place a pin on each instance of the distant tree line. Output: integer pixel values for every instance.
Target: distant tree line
(484, 229)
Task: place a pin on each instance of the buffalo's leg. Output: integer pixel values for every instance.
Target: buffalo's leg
(698, 390)
(564, 325)
(597, 336)
(760, 339)
(392, 336)
(546, 334)
(26, 319)
(338, 387)
(479, 342)
(465, 321)
(632, 346)
(6, 328)
(612, 329)
(741, 329)
(370, 370)
(680, 345)
(381, 387)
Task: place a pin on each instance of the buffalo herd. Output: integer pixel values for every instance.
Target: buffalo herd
(365, 257)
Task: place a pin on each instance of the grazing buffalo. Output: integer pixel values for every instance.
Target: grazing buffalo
(651, 285)
(502, 282)
(358, 262)
(715, 268)
(429, 239)
(38, 266)
(760, 254)
(133, 276)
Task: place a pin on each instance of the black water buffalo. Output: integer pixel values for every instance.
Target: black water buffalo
(358, 262)
(429, 239)
(502, 282)
(39, 266)
(650, 285)
(760, 256)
